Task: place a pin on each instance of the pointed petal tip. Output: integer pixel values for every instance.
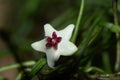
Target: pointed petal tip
(67, 48)
(71, 25)
(76, 48)
(46, 25)
(39, 45)
(33, 45)
(52, 67)
(50, 64)
(48, 29)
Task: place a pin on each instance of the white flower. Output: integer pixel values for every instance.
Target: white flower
(55, 43)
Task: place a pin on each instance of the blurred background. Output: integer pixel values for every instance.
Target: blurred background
(22, 21)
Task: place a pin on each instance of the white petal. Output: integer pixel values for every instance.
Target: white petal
(67, 32)
(67, 48)
(39, 45)
(52, 56)
(48, 30)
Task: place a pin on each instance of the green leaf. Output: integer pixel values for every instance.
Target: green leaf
(94, 69)
(36, 68)
(115, 28)
(12, 66)
(82, 46)
(106, 62)
(112, 27)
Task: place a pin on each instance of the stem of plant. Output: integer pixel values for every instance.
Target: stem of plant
(73, 39)
(82, 46)
(117, 64)
(36, 68)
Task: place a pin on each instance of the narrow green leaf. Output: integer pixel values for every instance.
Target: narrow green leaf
(85, 42)
(19, 76)
(27, 63)
(94, 69)
(74, 37)
(36, 68)
(106, 62)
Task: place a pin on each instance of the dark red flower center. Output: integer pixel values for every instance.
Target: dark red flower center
(53, 41)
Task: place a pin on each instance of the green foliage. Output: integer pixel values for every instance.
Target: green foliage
(113, 28)
(37, 67)
(95, 37)
(93, 69)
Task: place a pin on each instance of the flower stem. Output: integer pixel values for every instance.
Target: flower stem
(73, 39)
(117, 64)
(82, 46)
(36, 68)
(28, 63)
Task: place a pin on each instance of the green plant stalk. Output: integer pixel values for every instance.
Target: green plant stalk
(36, 68)
(106, 62)
(73, 39)
(82, 46)
(117, 64)
(28, 63)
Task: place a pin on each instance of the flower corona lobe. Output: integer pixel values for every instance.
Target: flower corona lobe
(53, 41)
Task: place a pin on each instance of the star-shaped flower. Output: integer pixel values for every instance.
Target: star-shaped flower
(55, 43)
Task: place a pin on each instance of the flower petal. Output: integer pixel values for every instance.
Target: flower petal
(48, 30)
(67, 32)
(67, 48)
(52, 56)
(39, 45)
